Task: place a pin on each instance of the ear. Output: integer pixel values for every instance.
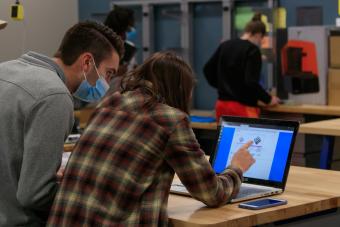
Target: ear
(85, 61)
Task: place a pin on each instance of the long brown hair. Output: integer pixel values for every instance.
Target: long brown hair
(165, 77)
(256, 26)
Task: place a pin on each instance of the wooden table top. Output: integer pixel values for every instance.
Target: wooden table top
(305, 194)
(206, 126)
(68, 147)
(293, 108)
(306, 109)
(84, 114)
(203, 113)
(327, 127)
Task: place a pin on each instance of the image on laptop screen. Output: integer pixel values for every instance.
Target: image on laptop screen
(270, 148)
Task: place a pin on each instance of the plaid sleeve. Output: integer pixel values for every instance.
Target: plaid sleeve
(184, 155)
(237, 175)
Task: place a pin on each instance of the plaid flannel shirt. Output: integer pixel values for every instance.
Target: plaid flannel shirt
(121, 169)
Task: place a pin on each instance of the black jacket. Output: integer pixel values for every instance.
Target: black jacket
(234, 69)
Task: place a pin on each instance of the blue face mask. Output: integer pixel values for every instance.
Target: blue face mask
(88, 93)
(132, 35)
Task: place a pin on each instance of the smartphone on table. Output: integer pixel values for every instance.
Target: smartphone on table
(262, 203)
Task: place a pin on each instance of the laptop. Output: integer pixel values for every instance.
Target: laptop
(272, 148)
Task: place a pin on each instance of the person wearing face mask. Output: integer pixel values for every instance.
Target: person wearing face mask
(88, 93)
(122, 20)
(37, 114)
(234, 70)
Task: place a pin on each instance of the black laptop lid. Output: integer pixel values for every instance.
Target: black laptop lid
(273, 142)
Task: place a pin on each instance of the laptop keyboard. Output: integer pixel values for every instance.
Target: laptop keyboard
(246, 191)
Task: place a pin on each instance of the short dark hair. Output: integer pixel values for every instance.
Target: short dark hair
(120, 19)
(91, 37)
(165, 77)
(256, 26)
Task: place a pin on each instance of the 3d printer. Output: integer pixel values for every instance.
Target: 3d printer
(299, 67)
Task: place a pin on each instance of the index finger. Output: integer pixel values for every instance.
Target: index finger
(247, 145)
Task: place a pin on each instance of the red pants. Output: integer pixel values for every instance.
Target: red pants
(233, 108)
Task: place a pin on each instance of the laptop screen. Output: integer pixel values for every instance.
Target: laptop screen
(271, 148)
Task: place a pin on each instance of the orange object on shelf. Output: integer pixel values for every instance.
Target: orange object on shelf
(300, 67)
(309, 62)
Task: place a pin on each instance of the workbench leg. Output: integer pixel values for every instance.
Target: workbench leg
(326, 154)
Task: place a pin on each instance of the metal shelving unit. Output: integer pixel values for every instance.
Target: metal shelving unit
(185, 16)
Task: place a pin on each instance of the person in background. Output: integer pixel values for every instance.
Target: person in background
(121, 169)
(234, 70)
(37, 115)
(122, 20)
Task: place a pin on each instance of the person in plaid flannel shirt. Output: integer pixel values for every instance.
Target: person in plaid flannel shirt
(121, 169)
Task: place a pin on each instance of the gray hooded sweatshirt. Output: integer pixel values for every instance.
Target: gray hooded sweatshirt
(36, 115)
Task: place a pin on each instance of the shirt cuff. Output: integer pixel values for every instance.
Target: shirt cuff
(237, 170)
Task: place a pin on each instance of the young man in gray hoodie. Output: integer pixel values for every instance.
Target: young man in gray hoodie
(37, 115)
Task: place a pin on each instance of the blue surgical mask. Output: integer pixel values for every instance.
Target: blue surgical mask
(88, 93)
(132, 35)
